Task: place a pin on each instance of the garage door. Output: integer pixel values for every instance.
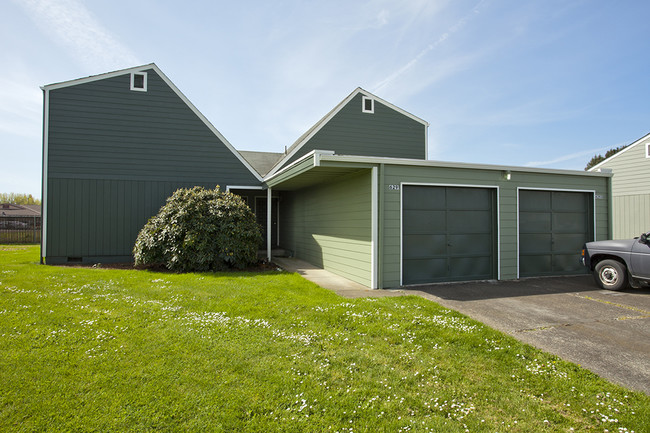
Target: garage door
(448, 234)
(553, 226)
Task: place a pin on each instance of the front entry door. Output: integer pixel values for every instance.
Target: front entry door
(260, 215)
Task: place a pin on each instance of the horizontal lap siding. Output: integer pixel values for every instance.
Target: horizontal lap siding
(630, 170)
(329, 225)
(630, 186)
(396, 174)
(102, 130)
(115, 155)
(352, 132)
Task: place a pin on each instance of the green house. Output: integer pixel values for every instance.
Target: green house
(630, 188)
(354, 195)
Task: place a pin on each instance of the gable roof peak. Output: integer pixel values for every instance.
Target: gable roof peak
(635, 143)
(175, 89)
(101, 76)
(323, 121)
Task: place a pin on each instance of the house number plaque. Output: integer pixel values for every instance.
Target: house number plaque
(393, 187)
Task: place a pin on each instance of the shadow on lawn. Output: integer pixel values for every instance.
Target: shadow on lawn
(259, 267)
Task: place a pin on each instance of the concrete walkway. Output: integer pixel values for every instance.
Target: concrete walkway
(328, 280)
(604, 331)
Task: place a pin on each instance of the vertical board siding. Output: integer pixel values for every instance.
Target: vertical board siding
(115, 155)
(352, 132)
(507, 206)
(631, 215)
(105, 227)
(329, 225)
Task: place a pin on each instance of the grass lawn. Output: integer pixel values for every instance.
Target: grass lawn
(85, 349)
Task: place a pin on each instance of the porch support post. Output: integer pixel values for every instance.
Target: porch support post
(374, 224)
(269, 226)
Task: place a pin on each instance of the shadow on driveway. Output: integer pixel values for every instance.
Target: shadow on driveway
(474, 291)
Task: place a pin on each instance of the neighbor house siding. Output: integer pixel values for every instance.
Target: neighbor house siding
(353, 132)
(507, 207)
(630, 190)
(114, 156)
(631, 215)
(630, 169)
(329, 225)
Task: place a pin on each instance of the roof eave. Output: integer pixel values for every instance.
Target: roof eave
(297, 145)
(176, 90)
(629, 146)
(98, 77)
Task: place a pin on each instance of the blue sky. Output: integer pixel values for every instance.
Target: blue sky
(528, 83)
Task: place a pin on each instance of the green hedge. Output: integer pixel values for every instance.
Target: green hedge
(200, 229)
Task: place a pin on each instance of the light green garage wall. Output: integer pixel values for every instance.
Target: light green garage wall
(329, 225)
(392, 176)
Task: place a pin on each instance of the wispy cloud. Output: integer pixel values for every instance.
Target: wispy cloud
(74, 27)
(567, 157)
(460, 24)
(20, 110)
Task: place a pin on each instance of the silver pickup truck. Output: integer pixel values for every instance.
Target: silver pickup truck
(617, 264)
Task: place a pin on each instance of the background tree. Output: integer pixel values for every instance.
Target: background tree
(597, 159)
(14, 198)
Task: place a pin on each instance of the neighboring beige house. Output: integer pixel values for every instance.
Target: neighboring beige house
(630, 188)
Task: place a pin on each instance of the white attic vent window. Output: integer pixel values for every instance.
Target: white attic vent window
(367, 105)
(647, 150)
(139, 81)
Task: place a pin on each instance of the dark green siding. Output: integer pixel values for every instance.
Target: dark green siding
(384, 133)
(103, 130)
(115, 155)
(98, 220)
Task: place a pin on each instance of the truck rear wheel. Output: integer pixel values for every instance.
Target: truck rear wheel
(611, 275)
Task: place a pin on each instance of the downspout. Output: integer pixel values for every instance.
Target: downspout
(269, 226)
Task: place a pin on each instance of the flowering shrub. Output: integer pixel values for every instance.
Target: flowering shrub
(200, 230)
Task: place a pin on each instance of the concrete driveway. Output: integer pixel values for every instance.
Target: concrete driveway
(606, 332)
